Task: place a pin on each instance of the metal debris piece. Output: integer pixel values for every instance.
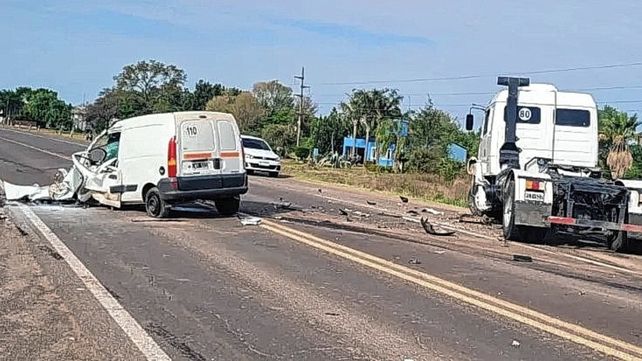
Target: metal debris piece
(522, 258)
(250, 221)
(432, 211)
(343, 212)
(515, 343)
(413, 212)
(320, 190)
(360, 214)
(403, 199)
(414, 261)
(430, 230)
(371, 203)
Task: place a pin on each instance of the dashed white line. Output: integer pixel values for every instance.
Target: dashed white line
(145, 343)
(36, 148)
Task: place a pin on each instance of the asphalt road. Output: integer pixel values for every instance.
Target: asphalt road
(308, 284)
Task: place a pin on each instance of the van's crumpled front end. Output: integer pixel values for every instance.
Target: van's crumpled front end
(66, 185)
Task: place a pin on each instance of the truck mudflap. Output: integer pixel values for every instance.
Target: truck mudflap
(568, 221)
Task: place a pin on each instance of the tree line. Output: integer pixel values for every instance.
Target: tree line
(270, 110)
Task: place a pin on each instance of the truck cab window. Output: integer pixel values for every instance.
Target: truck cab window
(572, 117)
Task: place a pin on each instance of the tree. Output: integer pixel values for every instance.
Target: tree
(277, 100)
(282, 137)
(11, 103)
(245, 108)
(103, 110)
(44, 107)
(327, 132)
(370, 107)
(617, 129)
(203, 92)
(153, 86)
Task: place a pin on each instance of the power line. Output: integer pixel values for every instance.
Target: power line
(477, 76)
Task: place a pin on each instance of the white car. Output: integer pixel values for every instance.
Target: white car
(259, 156)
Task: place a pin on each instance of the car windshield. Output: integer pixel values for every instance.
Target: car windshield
(255, 144)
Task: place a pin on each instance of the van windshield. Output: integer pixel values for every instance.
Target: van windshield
(255, 144)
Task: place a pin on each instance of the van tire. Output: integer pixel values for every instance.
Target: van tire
(154, 205)
(228, 206)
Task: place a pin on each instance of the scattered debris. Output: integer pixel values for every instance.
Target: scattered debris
(439, 252)
(250, 221)
(413, 212)
(414, 261)
(371, 203)
(320, 191)
(21, 230)
(361, 214)
(432, 211)
(403, 199)
(343, 212)
(430, 230)
(515, 343)
(522, 258)
(284, 205)
(331, 314)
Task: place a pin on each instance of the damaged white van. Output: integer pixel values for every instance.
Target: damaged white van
(163, 159)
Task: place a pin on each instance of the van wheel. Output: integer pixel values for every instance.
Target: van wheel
(228, 206)
(154, 205)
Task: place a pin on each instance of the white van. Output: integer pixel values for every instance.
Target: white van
(162, 159)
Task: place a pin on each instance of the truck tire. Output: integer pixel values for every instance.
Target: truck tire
(513, 232)
(228, 206)
(471, 202)
(619, 242)
(154, 205)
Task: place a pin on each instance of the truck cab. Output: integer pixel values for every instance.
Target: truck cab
(537, 167)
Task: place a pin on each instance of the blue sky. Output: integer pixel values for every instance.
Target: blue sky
(76, 47)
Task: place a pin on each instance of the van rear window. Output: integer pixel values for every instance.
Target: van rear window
(226, 133)
(573, 117)
(198, 135)
(527, 115)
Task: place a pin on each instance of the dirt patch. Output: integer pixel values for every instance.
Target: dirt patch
(35, 323)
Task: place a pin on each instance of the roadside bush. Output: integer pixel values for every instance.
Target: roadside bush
(301, 152)
(424, 160)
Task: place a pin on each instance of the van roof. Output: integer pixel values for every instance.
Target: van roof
(155, 117)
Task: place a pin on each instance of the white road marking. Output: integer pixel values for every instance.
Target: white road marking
(44, 137)
(38, 149)
(134, 331)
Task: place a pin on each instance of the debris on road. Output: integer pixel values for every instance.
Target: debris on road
(250, 221)
(522, 258)
(403, 199)
(430, 230)
(343, 212)
(432, 211)
(515, 343)
(371, 203)
(414, 261)
(360, 214)
(65, 185)
(413, 212)
(320, 190)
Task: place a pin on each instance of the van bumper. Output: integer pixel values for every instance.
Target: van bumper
(210, 187)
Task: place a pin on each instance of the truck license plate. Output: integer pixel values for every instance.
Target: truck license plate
(200, 165)
(534, 196)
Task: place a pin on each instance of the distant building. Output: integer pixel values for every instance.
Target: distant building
(368, 151)
(79, 117)
(457, 152)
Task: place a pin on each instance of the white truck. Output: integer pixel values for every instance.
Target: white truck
(537, 169)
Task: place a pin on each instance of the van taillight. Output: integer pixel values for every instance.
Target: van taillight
(171, 157)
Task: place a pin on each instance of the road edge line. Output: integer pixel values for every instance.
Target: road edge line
(134, 331)
(45, 137)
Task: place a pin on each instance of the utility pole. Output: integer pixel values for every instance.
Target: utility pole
(300, 95)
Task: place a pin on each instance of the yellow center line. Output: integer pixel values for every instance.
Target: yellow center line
(574, 333)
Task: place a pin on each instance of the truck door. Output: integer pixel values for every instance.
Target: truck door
(484, 144)
(199, 154)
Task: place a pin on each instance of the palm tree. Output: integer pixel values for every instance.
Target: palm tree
(616, 130)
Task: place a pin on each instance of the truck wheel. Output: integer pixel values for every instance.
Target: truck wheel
(154, 205)
(511, 232)
(619, 242)
(472, 205)
(228, 206)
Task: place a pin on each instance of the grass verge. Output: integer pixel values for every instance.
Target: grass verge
(427, 187)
